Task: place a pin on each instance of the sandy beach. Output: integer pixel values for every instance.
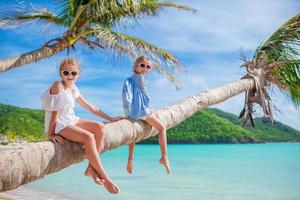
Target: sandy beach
(27, 193)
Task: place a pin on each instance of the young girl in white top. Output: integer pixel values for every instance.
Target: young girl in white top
(136, 103)
(62, 123)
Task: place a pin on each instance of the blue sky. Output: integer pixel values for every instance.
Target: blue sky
(208, 44)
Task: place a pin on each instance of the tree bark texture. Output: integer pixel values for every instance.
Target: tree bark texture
(33, 56)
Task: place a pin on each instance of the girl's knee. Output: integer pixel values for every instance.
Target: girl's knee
(88, 138)
(99, 126)
(99, 130)
(161, 129)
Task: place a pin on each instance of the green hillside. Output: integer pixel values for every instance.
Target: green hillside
(25, 123)
(216, 126)
(204, 127)
(264, 130)
(207, 126)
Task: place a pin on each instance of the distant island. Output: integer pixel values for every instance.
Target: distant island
(206, 126)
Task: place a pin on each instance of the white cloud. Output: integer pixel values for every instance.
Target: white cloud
(219, 26)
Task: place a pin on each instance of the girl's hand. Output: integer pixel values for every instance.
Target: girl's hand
(56, 139)
(114, 119)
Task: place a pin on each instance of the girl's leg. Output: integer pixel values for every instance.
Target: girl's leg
(130, 158)
(97, 128)
(162, 138)
(77, 134)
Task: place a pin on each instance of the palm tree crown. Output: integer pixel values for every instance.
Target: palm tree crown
(280, 57)
(92, 23)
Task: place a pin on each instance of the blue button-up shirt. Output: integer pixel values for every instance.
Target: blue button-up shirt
(135, 98)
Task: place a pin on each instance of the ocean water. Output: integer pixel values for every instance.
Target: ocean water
(223, 172)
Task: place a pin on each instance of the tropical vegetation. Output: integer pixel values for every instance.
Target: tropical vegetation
(206, 126)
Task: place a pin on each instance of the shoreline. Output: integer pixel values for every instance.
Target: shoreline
(27, 192)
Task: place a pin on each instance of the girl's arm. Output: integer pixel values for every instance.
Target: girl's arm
(51, 131)
(84, 103)
(55, 89)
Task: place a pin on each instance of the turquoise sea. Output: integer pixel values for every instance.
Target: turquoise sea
(223, 172)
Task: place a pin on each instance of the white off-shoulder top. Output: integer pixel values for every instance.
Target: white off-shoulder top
(64, 102)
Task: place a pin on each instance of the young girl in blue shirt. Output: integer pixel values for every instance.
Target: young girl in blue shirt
(136, 106)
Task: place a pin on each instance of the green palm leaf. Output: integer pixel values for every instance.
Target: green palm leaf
(281, 52)
(131, 46)
(22, 14)
(109, 13)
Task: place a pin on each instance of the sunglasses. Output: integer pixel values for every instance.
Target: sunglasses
(143, 65)
(66, 73)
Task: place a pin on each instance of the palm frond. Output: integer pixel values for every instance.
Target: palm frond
(110, 38)
(77, 18)
(167, 74)
(282, 53)
(116, 12)
(131, 46)
(22, 14)
(110, 12)
(174, 5)
(68, 9)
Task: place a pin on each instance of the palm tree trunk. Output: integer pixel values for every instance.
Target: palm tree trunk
(33, 56)
(35, 160)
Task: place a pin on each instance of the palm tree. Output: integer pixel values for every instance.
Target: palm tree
(91, 23)
(279, 57)
(275, 63)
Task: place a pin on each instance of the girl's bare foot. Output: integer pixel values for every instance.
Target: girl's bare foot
(164, 161)
(111, 187)
(129, 166)
(92, 173)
